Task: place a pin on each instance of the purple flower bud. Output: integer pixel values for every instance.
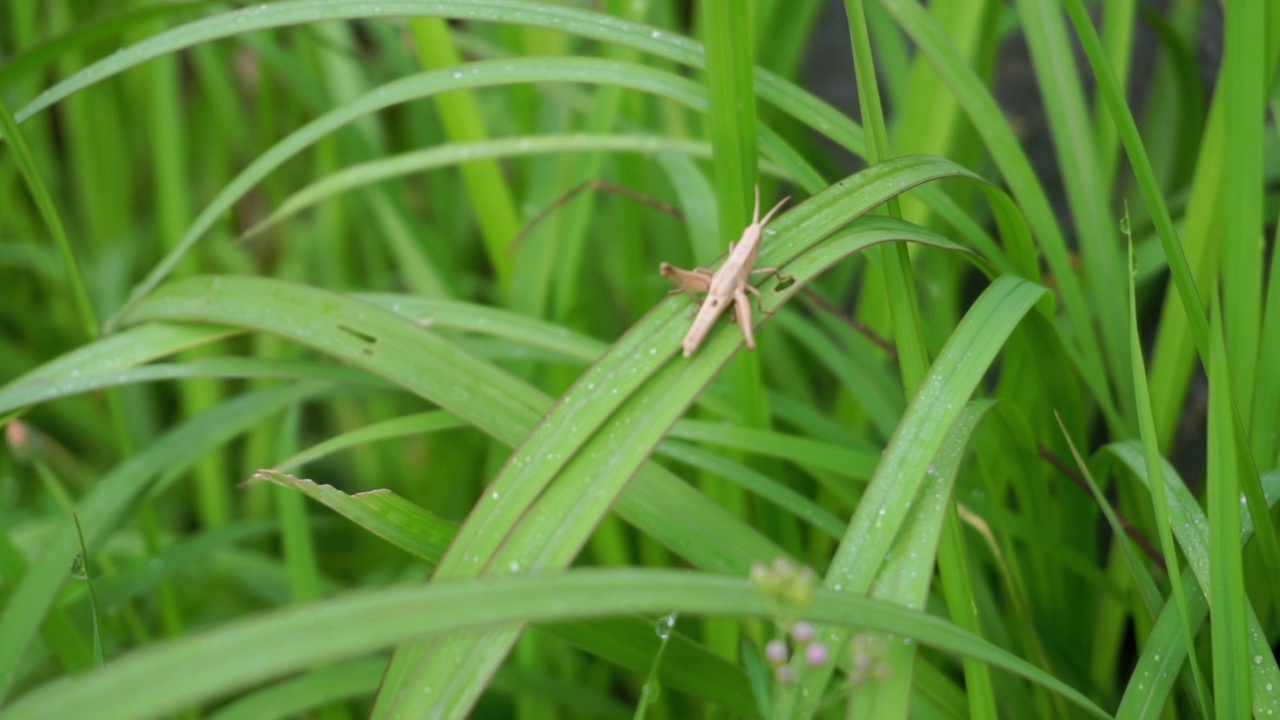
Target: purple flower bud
(785, 674)
(816, 654)
(802, 632)
(776, 651)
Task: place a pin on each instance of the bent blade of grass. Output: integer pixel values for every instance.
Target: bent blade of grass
(908, 571)
(381, 512)
(479, 74)
(304, 695)
(800, 104)
(1157, 486)
(105, 357)
(28, 166)
(114, 495)
(477, 318)
(951, 381)
(33, 58)
(180, 673)
(42, 390)
(417, 360)
(366, 173)
(690, 666)
(755, 483)
(408, 425)
(771, 443)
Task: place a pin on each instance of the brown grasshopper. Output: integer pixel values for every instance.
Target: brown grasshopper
(726, 285)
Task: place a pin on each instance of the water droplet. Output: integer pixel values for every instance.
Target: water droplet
(77, 568)
(649, 693)
(663, 626)
(1124, 224)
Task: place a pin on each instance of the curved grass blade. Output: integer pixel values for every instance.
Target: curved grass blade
(87, 316)
(302, 696)
(418, 360)
(474, 75)
(908, 572)
(381, 512)
(476, 318)
(367, 173)
(105, 357)
(880, 515)
(172, 675)
(756, 483)
(419, 424)
(689, 666)
(41, 390)
(800, 104)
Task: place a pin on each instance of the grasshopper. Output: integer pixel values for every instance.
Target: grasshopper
(726, 285)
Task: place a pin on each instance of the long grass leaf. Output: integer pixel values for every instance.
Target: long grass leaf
(160, 680)
(889, 496)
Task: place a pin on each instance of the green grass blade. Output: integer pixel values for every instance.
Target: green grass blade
(426, 536)
(1081, 168)
(1159, 494)
(904, 306)
(74, 278)
(907, 574)
(801, 105)
(157, 681)
(1026, 188)
(489, 196)
(1163, 655)
(373, 171)
(951, 382)
(1244, 83)
(1113, 96)
(480, 74)
(731, 113)
(381, 512)
(1227, 596)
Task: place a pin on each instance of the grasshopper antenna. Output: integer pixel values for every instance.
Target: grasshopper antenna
(591, 185)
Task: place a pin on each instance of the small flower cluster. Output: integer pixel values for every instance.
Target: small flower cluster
(791, 589)
(778, 652)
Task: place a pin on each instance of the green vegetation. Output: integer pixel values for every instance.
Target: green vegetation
(995, 456)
